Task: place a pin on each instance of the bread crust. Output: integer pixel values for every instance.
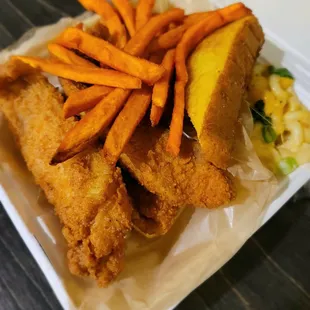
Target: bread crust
(242, 40)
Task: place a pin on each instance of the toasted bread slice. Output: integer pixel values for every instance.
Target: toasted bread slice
(220, 70)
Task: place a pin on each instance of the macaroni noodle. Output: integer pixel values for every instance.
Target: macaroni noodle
(283, 113)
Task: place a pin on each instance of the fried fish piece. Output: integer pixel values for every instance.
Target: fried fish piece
(184, 180)
(89, 196)
(151, 216)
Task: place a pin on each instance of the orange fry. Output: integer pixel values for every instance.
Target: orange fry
(84, 99)
(82, 74)
(127, 13)
(189, 41)
(126, 123)
(140, 41)
(171, 38)
(143, 12)
(96, 121)
(156, 114)
(108, 54)
(234, 12)
(68, 56)
(161, 87)
(176, 126)
(173, 25)
(91, 126)
(168, 39)
(112, 21)
(195, 18)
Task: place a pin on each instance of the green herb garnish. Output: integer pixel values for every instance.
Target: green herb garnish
(269, 134)
(283, 72)
(288, 165)
(259, 115)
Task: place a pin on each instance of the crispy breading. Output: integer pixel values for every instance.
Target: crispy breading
(151, 216)
(89, 196)
(70, 87)
(184, 180)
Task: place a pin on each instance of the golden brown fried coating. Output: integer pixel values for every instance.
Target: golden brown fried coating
(184, 180)
(89, 196)
(151, 216)
(70, 87)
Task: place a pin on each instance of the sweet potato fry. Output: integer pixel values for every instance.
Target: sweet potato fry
(108, 54)
(127, 13)
(195, 18)
(176, 126)
(161, 87)
(84, 99)
(96, 121)
(111, 18)
(68, 57)
(168, 39)
(91, 126)
(156, 114)
(234, 12)
(171, 38)
(189, 41)
(82, 74)
(143, 12)
(126, 123)
(173, 25)
(140, 41)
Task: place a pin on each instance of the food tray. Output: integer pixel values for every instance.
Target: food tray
(283, 48)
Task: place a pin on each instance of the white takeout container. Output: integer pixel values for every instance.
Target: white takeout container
(287, 45)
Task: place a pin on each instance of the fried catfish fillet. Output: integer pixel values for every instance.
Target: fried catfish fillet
(184, 180)
(151, 216)
(89, 196)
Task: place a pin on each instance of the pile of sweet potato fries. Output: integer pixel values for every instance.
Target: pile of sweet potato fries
(135, 70)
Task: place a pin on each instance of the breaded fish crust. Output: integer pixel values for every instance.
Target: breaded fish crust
(89, 196)
(151, 216)
(184, 180)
